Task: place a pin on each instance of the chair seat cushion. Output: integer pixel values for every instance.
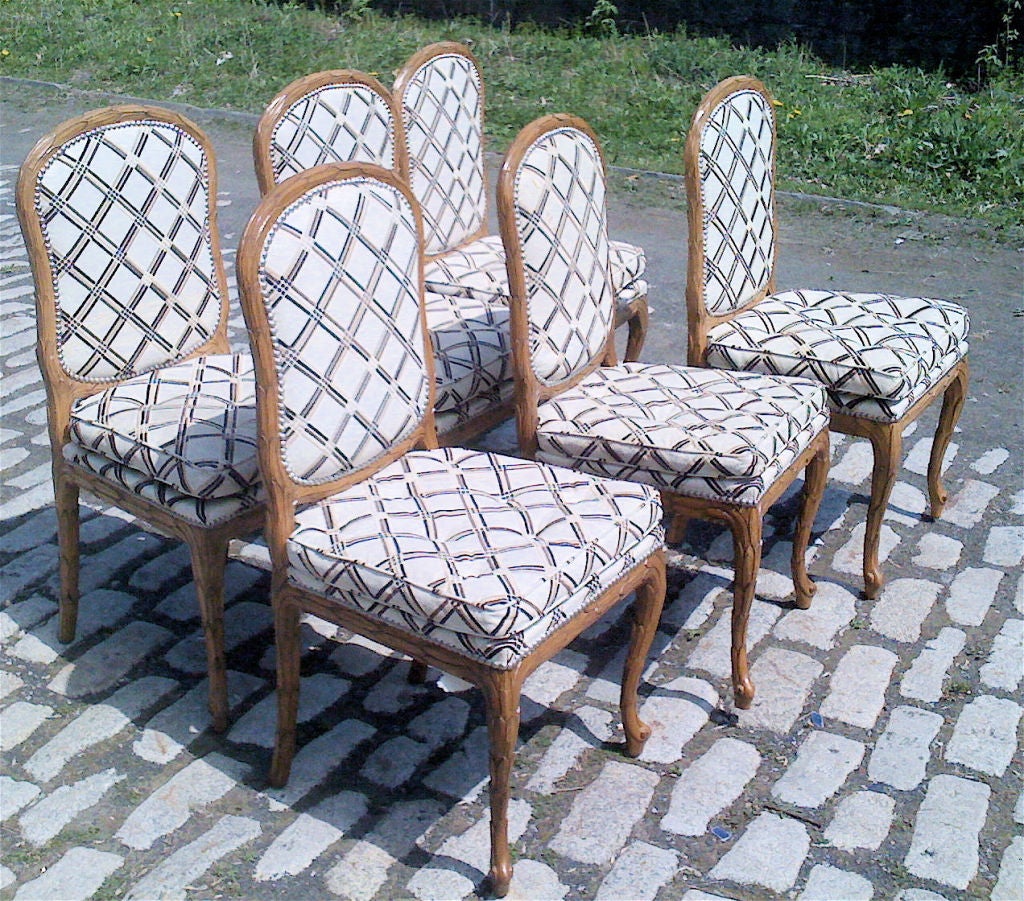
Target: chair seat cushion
(705, 433)
(479, 552)
(199, 511)
(472, 356)
(874, 346)
(477, 269)
(191, 426)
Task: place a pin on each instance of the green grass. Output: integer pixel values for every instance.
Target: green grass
(894, 135)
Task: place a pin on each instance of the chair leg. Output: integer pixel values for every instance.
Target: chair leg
(208, 561)
(676, 530)
(887, 446)
(637, 325)
(746, 526)
(65, 493)
(650, 598)
(501, 694)
(952, 404)
(815, 477)
(289, 657)
(417, 672)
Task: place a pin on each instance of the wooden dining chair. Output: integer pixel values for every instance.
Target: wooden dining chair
(718, 445)
(882, 359)
(348, 116)
(482, 565)
(441, 94)
(148, 409)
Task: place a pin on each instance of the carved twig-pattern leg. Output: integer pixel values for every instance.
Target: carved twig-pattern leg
(501, 695)
(650, 598)
(745, 523)
(209, 557)
(676, 530)
(815, 477)
(286, 637)
(65, 494)
(952, 404)
(637, 325)
(887, 445)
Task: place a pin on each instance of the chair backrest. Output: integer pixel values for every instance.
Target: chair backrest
(551, 208)
(730, 173)
(330, 276)
(339, 116)
(441, 96)
(117, 211)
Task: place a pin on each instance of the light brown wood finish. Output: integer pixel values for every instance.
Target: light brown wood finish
(501, 688)
(886, 438)
(208, 545)
(277, 109)
(743, 521)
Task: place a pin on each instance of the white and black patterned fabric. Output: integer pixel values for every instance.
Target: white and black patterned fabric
(191, 426)
(737, 190)
(482, 553)
(340, 274)
(478, 270)
(472, 357)
(697, 432)
(124, 210)
(875, 353)
(336, 123)
(559, 202)
(442, 106)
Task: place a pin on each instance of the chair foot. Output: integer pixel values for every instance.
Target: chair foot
(743, 693)
(417, 674)
(500, 879)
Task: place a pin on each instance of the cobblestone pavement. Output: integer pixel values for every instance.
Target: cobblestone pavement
(881, 757)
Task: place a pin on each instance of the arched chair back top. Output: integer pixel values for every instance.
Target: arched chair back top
(331, 278)
(730, 161)
(441, 96)
(336, 116)
(553, 224)
(117, 211)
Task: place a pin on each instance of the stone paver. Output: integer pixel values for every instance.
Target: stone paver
(821, 767)
(617, 799)
(75, 877)
(985, 735)
(769, 854)
(867, 766)
(945, 842)
(901, 753)
(709, 784)
(862, 820)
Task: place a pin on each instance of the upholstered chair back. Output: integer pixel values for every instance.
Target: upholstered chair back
(441, 96)
(122, 228)
(329, 117)
(554, 224)
(331, 286)
(736, 159)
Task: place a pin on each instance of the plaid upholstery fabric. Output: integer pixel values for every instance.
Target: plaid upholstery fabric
(699, 432)
(477, 269)
(125, 213)
(202, 511)
(191, 426)
(483, 553)
(443, 109)
(875, 353)
(472, 357)
(736, 171)
(340, 274)
(336, 123)
(559, 202)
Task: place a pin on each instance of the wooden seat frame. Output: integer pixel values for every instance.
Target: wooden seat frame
(501, 687)
(886, 437)
(744, 522)
(208, 546)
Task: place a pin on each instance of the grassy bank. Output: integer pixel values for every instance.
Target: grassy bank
(892, 135)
